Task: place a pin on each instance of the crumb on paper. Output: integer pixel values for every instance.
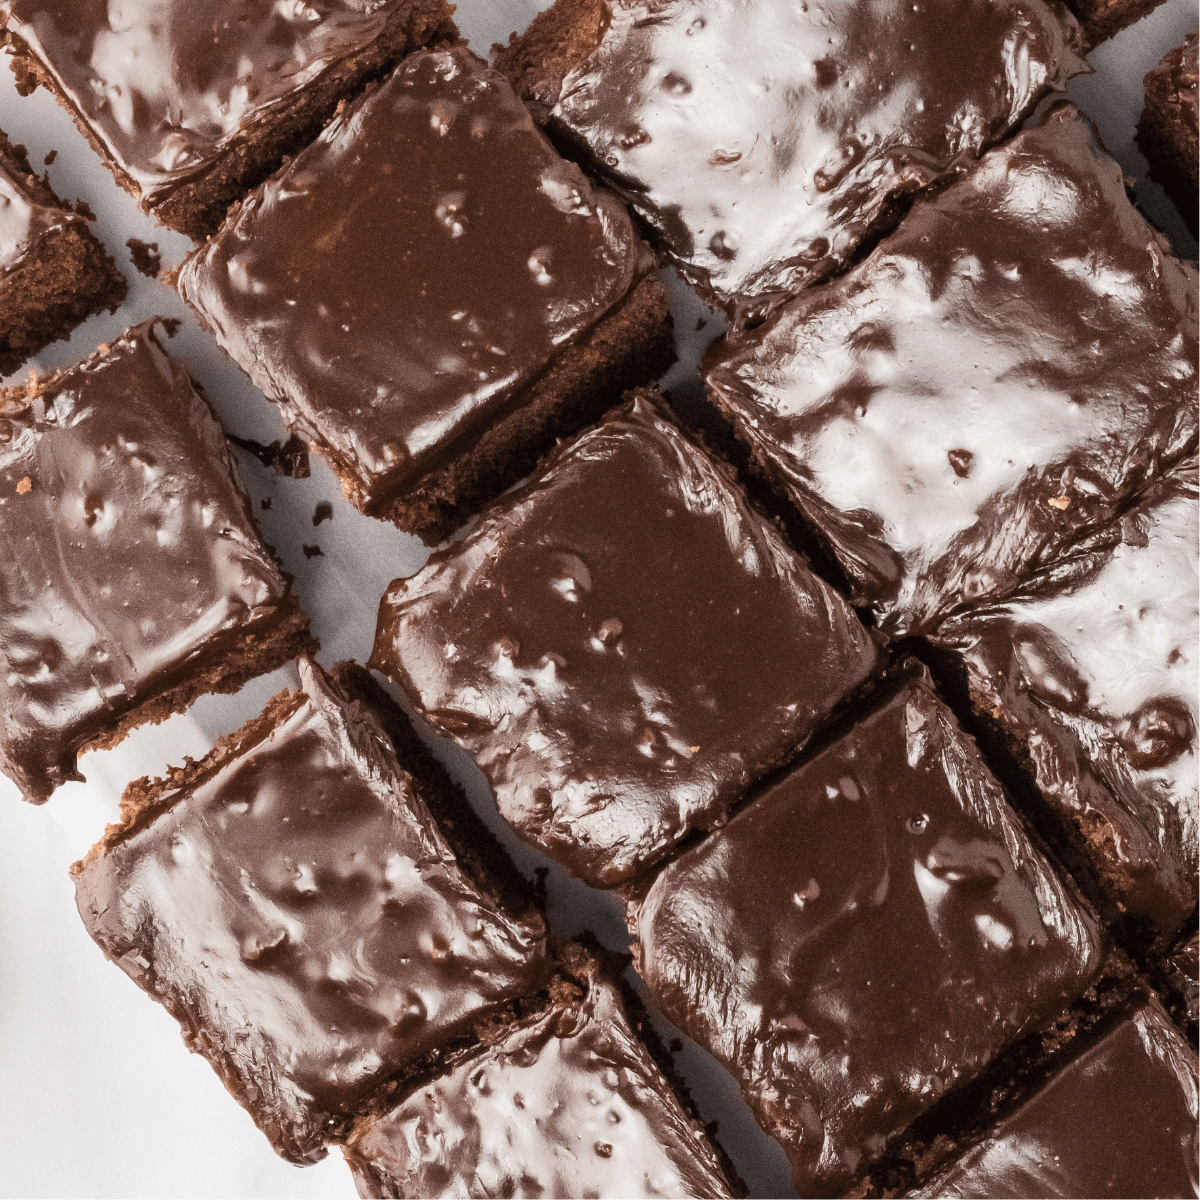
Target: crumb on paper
(313, 552)
(145, 257)
(266, 503)
(323, 512)
(26, 485)
(49, 159)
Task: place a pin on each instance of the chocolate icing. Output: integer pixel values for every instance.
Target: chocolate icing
(623, 644)
(449, 253)
(301, 915)
(129, 559)
(992, 383)
(871, 931)
(24, 222)
(1118, 1121)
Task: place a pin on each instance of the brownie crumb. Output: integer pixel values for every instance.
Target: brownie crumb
(313, 552)
(700, 324)
(49, 159)
(145, 257)
(288, 458)
(26, 485)
(266, 503)
(323, 512)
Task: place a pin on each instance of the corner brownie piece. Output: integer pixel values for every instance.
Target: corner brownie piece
(294, 903)
(1167, 131)
(53, 271)
(192, 102)
(566, 1102)
(1089, 672)
(624, 644)
(869, 933)
(1118, 1120)
(132, 576)
(463, 298)
(764, 142)
(994, 382)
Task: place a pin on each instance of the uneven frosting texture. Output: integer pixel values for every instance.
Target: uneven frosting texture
(762, 140)
(868, 933)
(993, 382)
(128, 556)
(567, 1104)
(23, 221)
(1093, 666)
(1118, 1121)
(302, 916)
(623, 644)
(448, 252)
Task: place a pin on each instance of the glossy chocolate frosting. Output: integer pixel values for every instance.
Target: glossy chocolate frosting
(1091, 668)
(24, 219)
(299, 912)
(624, 644)
(1118, 1121)
(992, 383)
(129, 560)
(871, 931)
(764, 141)
(448, 253)
(568, 1103)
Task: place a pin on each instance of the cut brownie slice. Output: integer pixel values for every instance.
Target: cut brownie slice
(1167, 131)
(1101, 19)
(463, 298)
(53, 271)
(193, 102)
(870, 932)
(132, 577)
(992, 383)
(296, 905)
(1118, 1120)
(1090, 674)
(566, 1102)
(764, 142)
(624, 644)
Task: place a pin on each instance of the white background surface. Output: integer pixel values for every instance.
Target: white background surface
(98, 1096)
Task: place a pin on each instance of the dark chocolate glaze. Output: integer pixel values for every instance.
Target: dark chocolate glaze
(129, 559)
(569, 1103)
(870, 932)
(24, 222)
(1091, 669)
(764, 141)
(994, 381)
(301, 915)
(1118, 1121)
(448, 253)
(623, 644)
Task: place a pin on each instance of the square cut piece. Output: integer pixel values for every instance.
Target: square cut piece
(132, 576)
(464, 296)
(624, 644)
(870, 932)
(293, 902)
(997, 380)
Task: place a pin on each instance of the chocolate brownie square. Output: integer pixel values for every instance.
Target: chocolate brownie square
(764, 143)
(132, 576)
(624, 644)
(1101, 19)
(568, 1101)
(869, 933)
(1167, 131)
(53, 271)
(192, 102)
(296, 902)
(464, 296)
(994, 382)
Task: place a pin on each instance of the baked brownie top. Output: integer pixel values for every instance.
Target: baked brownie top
(128, 553)
(567, 1103)
(448, 252)
(1181, 67)
(1118, 1121)
(994, 381)
(1097, 660)
(868, 933)
(27, 212)
(298, 910)
(763, 141)
(623, 643)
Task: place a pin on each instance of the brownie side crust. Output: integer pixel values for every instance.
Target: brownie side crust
(1167, 130)
(1101, 19)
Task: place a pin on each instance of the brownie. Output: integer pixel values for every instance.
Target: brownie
(132, 576)
(1167, 131)
(1182, 978)
(996, 380)
(1118, 1120)
(1101, 19)
(763, 143)
(192, 102)
(1089, 673)
(293, 902)
(869, 933)
(624, 644)
(464, 297)
(53, 271)
(566, 1102)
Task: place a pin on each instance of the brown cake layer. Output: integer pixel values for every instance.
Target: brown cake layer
(1167, 131)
